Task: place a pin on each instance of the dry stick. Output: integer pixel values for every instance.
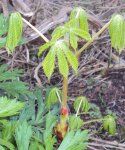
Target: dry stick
(107, 142)
(40, 64)
(35, 29)
(106, 145)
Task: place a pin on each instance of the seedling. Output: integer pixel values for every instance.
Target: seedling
(64, 44)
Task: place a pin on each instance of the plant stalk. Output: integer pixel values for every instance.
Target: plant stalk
(94, 120)
(93, 38)
(64, 92)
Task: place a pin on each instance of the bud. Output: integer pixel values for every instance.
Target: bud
(117, 32)
(64, 111)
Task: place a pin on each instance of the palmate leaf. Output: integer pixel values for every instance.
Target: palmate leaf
(49, 62)
(14, 32)
(9, 107)
(64, 56)
(80, 15)
(109, 124)
(23, 134)
(117, 32)
(75, 140)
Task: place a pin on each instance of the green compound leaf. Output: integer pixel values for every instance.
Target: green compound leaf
(109, 124)
(82, 104)
(75, 122)
(14, 32)
(80, 15)
(53, 97)
(9, 107)
(75, 140)
(49, 62)
(64, 56)
(44, 47)
(117, 32)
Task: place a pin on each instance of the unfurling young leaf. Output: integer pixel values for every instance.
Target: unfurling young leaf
(117, 32)
(109, 124)
(75, 122)
(80, 15)
(82, 104)
(53, 97)
(14, 32)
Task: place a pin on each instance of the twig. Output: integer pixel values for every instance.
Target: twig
(108, 142)
(35, 29)
(36, 74)
(40, 64)
(105, 145)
